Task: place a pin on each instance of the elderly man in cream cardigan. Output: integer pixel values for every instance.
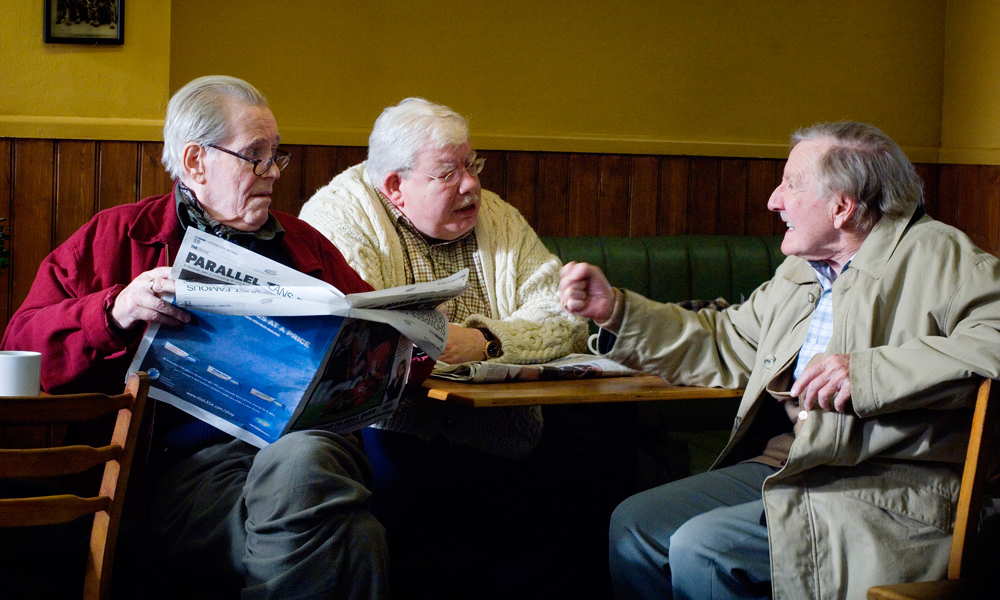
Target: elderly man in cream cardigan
(414, 212)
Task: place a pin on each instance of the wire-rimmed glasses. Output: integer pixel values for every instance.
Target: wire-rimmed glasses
(474, 167)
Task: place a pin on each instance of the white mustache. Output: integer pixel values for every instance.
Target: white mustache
(468, 200)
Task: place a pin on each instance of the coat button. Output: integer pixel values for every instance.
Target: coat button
(812, 298)
(768, 362)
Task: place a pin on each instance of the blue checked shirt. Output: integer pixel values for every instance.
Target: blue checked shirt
(821, 325)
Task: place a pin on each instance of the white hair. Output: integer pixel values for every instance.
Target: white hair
(199, 112)
(865, 164)
(403, 131)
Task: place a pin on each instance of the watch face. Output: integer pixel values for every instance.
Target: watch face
(493, 349)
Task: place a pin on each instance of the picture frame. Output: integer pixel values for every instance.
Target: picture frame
(87, 22)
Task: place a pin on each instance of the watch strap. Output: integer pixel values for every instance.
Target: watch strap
(493, 349)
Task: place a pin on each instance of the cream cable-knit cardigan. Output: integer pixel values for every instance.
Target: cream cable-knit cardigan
(520, 275)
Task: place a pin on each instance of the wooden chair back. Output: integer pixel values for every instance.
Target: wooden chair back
(982, 446)
(71, 460)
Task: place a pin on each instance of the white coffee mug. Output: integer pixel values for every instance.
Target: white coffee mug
(592, 343)
(20, 373)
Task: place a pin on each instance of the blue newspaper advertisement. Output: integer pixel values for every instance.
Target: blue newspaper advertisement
(318, 360)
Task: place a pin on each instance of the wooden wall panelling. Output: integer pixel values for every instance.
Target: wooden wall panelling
(947, 190)
(960, 186)
(613, 210)
(703, 196)
(733, 210)
(494, 174)
(584, 194)
(154, 180)
(117, 174)
(779, 171)
(761, 178)
(288, 192)
(32, 230)
(553, 194)
(967, 196)
(32, 213)
(76, 186)
(348, 156)
(989, 201)
(929, 175)
(6, 207)
(558, 193)
(522, 183)
(6, 146)
(319, 167)
(644, 196)
(675, 179)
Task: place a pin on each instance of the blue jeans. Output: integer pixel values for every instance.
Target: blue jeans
(700, 537)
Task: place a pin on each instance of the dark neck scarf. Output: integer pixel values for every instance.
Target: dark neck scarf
(266, 241)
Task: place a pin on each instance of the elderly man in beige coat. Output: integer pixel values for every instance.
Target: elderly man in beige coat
(843, 467)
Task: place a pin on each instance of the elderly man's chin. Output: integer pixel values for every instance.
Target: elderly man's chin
(465, 219)
(255, 216)
(790, 245)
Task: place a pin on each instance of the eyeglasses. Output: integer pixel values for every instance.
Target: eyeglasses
(280, 158)
(450, 179)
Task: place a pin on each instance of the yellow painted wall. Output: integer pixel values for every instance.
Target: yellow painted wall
(713, 77)
(81, 91)
(716, 77)
(970, 122)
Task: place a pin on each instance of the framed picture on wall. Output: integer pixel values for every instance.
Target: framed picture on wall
(84, 22)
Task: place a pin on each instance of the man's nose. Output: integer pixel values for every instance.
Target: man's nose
(272, 172)
(469, 183)
(774, 202)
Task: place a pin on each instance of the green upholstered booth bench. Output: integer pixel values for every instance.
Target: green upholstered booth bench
(672, 268)
(676, 268)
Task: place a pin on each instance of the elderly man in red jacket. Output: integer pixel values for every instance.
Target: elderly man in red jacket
(288, 521)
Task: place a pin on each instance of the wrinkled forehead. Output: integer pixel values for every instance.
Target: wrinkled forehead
(805, 157)
(252, 126)
(447, 155)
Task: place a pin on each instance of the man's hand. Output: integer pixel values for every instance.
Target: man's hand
(825, 383)
(584, 291)
(465, 344)
(140, 301)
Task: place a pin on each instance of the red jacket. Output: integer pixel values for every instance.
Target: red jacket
(65, 314)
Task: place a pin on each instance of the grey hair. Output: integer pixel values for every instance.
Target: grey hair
(867, 166)
(401, 132)
(199, 112)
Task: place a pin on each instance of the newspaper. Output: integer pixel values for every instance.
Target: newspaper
(571, 366)
(273, 350)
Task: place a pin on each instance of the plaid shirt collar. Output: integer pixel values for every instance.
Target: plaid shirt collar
(821, 325)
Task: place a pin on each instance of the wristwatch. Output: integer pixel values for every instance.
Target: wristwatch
(493, 348)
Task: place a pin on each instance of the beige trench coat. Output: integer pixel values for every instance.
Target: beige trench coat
(866, 497)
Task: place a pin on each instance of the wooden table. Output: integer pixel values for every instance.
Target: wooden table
(615, 399)
(639, 388)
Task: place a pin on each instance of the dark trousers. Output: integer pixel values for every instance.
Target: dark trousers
(465, 524)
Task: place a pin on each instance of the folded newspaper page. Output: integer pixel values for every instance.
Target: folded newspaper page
(272, 350)
(571, 366)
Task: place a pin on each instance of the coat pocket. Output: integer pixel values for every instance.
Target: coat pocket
(927, 494)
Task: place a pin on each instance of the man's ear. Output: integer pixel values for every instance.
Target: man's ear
(193, 160)
(391, 188)
(842, 210)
